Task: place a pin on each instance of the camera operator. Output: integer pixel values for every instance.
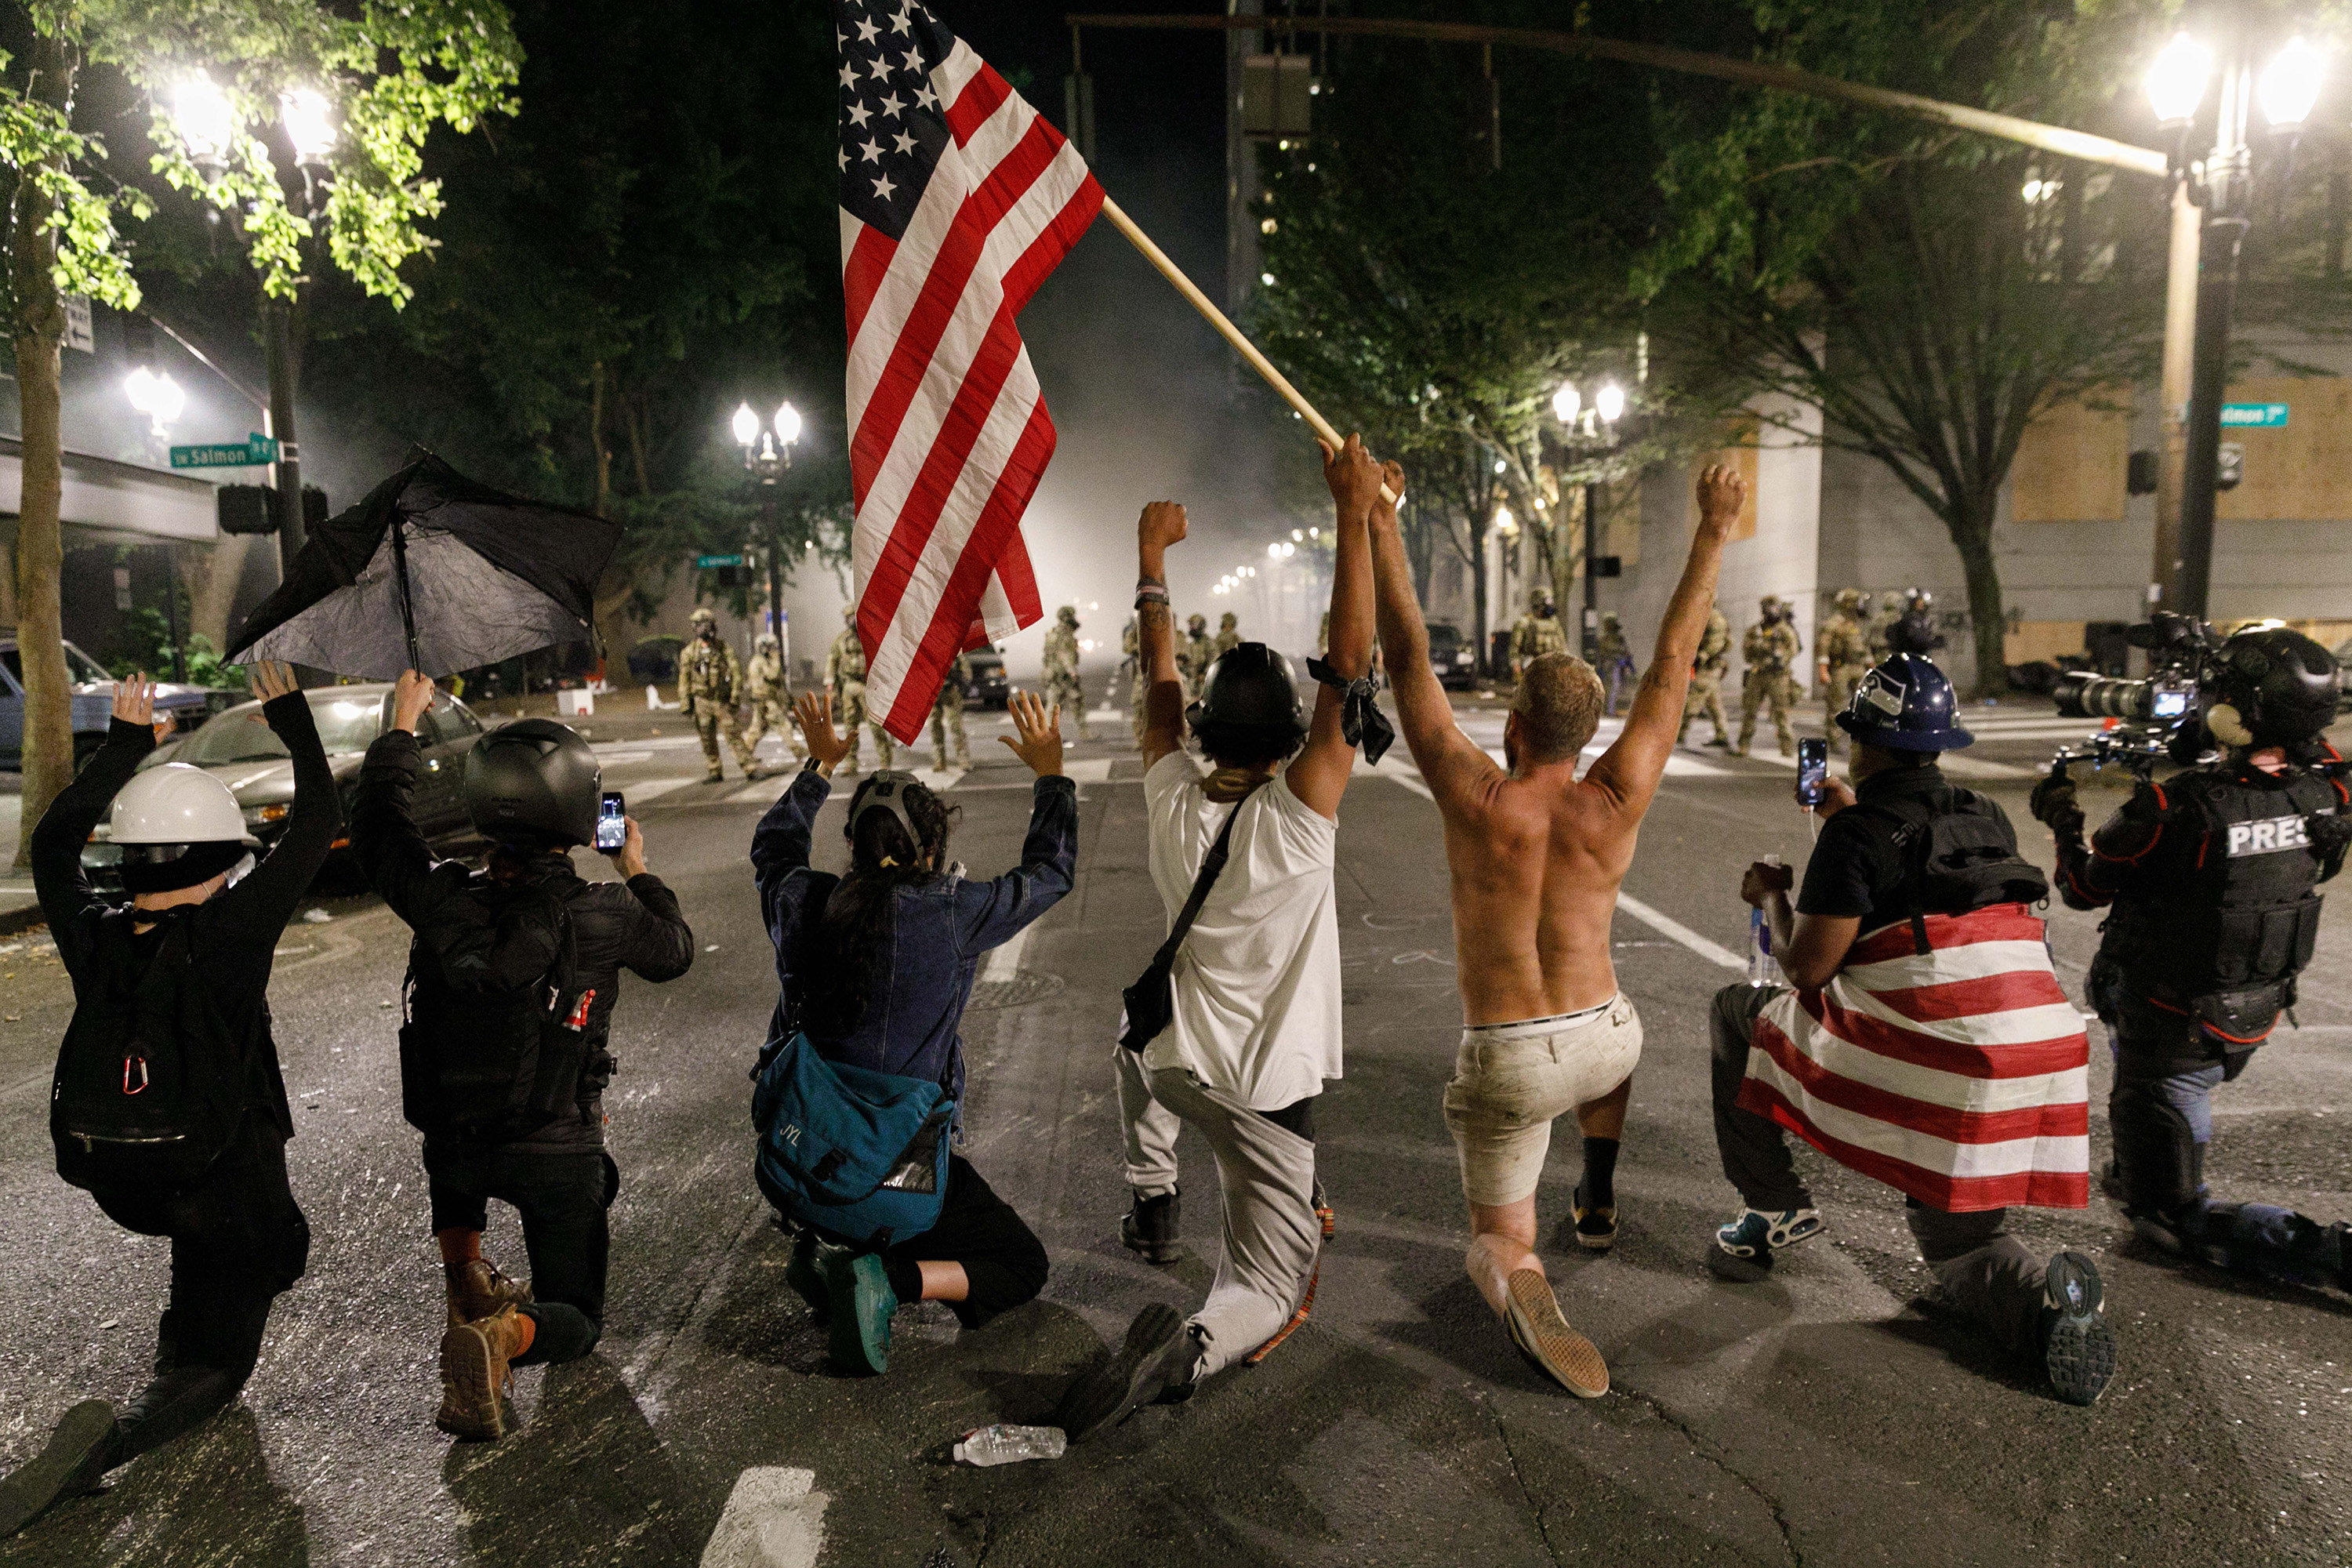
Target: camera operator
(513, 979)
(1926, 1043)
(2210, 875)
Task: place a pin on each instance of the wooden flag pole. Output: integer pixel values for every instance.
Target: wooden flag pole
(1225, 329)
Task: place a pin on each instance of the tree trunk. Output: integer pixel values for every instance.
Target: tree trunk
(39, 331)
(633, 411)
(1972, 537)
(603, 502)
(212, 577)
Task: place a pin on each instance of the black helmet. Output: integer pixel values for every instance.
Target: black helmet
(534, 777)
(1904, 704)
(2270, 686)
(1250, 692)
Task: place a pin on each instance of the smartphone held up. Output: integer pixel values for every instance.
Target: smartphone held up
(612, 823)
(1812, 770)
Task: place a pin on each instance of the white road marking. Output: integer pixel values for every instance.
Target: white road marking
(1004, 962)
(760, 792)
(775, 1518)
(1089, 770)
(937, 782)
(654, 789)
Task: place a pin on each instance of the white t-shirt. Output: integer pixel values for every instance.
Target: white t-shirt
(1257, 980)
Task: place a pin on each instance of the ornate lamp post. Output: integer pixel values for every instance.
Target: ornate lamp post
(767, 453)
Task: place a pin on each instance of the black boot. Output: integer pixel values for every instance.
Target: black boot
(1150, 1226)
(79, 1454)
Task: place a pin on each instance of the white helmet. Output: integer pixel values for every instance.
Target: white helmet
(177, 826)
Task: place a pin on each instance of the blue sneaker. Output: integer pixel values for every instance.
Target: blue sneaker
(1754, 1235)
(2077, 1346)
(863, 1305)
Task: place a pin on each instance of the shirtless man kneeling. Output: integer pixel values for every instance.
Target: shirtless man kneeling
(1537, 855)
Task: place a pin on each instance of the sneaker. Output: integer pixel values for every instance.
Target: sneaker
(802, 1274)
(714, 776)
(2077, 1346)
(862, 1307)
(1159, 1353)
(1754, 1235)
(1596, 1227)
(475, 1378)
(1150, 1227)
(1542, 1335)
(72, 1463)
(477, 1291)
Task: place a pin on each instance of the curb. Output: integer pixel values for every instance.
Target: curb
(15, 922)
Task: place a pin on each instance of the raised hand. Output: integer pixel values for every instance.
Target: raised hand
(134, 699)
(271, 679)
(1384, 510)
(815, 715)
(1354, 477)
(629, 860)
(1161, 525)
(410, 698)
(1721, 493)
(1762, 879)
(1040, 733)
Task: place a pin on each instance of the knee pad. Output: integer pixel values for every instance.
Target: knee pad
(2156, 1154)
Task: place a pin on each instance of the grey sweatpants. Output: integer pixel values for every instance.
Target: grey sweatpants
(1266, 1182)
(1982, 1272)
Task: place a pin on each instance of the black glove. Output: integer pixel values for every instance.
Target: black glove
(1361, 722)
(2054, 797)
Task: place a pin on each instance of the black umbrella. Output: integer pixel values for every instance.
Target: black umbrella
(433, 571)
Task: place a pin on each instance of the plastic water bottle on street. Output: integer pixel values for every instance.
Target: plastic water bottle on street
(1763, 969)
(1002, 1445)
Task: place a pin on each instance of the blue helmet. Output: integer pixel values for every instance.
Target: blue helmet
(1906, 704)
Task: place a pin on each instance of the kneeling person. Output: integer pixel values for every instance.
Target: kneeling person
(512, 978)
(1926, 1043)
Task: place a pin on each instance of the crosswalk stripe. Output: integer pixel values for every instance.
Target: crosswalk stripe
(775, 1518)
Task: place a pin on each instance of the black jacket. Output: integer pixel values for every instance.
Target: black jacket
(614, 926)
(237, 930)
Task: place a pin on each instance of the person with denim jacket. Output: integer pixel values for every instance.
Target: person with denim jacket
(875, 968)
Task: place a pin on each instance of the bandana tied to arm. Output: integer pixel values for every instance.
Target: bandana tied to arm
(1361, 719)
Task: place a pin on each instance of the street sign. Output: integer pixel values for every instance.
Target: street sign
(2253, 415)
(705, 563)
(256, 449)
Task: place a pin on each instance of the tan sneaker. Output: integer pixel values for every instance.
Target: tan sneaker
(477, 1291)
(1543, 1336)
(475, 1377)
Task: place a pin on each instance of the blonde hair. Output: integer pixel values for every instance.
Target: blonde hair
(1558, 707)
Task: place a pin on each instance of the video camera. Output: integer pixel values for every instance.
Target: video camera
(2160, 717)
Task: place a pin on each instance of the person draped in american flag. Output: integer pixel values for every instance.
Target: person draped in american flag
(957, 201)
(1924, 1039)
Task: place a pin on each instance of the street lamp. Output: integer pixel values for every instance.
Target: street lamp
(157, 396)
(1565, 402)
(202, 115)
(2221, 184)
(767, 453)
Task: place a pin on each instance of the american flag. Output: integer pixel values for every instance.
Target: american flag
(957, 200)
(1960, 1076)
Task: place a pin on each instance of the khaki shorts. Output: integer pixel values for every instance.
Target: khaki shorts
(1511, 1080)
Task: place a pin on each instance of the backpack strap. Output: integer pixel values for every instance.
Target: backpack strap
(1211, 869)
(1915, 813)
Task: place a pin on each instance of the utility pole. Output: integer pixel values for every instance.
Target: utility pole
(284, 359)
(2227, 177)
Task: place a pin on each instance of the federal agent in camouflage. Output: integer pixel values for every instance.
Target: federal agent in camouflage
(1706, 694)
(1194, 657)
(845, 678)
(709, 685)
(1063, 685)
(1770, 650)
(1229, 637)
(1537, 632)
(947, 717)
(1890, 610)
(1614, 663)
(766, 687)
(1138, 685)
(1843, 657)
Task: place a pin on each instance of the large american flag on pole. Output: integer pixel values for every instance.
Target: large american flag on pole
(957, 200)
(1959, 1075)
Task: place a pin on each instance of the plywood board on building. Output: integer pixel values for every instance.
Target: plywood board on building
(2072, 462)
(2030, 640)
(2300, 471)
(1738, 453)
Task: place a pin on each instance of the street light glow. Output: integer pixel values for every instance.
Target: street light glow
(309, 125)
(788, 424)
(2290, 85)
(157, 396)
(747, 425)
(1274, 552)
(1504, 521)
(202, 115)
(2176, 81)
(1610, 402)
(1565, 402)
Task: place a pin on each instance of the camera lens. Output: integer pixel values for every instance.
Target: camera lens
(2081, 695)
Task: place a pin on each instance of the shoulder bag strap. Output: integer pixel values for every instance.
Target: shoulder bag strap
(1210, 870)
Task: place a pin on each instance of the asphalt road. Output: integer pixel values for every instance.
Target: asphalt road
(1821, 1418)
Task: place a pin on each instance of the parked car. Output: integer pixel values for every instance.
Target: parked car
(987, 687)
(2344, 663)
(1451, 657)
(93, 703)
(241, 749)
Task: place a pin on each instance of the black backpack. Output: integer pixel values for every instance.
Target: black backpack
(485, 1066)
(150, 1087)
(1958, 854)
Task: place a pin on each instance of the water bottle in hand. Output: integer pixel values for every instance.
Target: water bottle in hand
(1763, 969)
(1002, 1445)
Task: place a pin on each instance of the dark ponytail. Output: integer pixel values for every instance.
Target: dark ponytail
(857, 926)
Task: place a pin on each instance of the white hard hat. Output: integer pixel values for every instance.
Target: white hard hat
(175, 803)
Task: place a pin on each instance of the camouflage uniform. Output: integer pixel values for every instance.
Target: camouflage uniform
(1844, 658)
(1062, 682)
(1537, 632)
(768, 687)
(1705, 695)
(947, 717)
(1229, 637)
(1770, 649)
(845, 678)
(1193, 656)
(709, 682)
(1614, 664)
(1890, 610)
(1130, 642)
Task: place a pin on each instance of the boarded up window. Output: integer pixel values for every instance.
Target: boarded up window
(2301, 471)
(1738, 453)
(2071, 463)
